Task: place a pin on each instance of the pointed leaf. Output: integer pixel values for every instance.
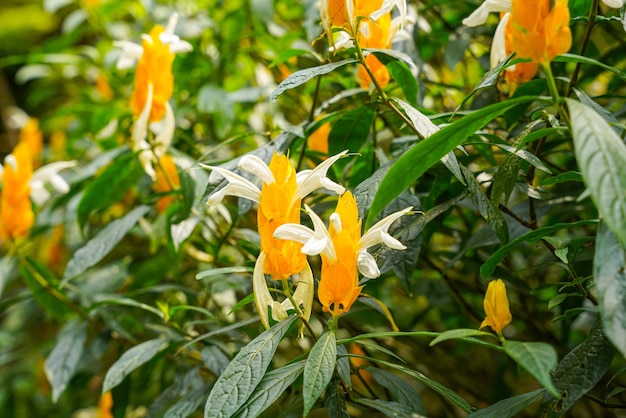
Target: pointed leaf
(64, 357)
(601, 156)
(609, 266)
(508, 408)
(538, 359)
(389, 408)
(271, 387)
(423, 155)
(335, 401)
(490, 212)
(350, 130)
(131, 360)
(319, 369)
(460, 333)
(400, 390)
(244, 373)
(300, 77)
(579, 372)
(188, 404)
(99, 246)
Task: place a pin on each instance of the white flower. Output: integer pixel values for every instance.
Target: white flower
(480, 15)
(307, 180)
(616, 4)
(49, 175)
(318, 240)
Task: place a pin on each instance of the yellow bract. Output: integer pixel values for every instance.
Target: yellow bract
(375, 35)
(519, 73)
(154, 69)
(540, 29)
(339, 284)
(166, 177)
(339, 16)
(16, 211)
(32, 136)
(496, 306)
(278, 206)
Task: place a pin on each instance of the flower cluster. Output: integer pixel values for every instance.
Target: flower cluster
(154, 84)
(285, 243)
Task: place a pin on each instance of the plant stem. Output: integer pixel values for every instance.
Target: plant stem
(591, 22)
(554, 92)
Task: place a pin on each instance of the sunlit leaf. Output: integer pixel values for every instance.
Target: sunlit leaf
(609, 267)
(601, 156)
(131, 360)
(319, 368)
(538, 359)
(63, 360)
(244, 373)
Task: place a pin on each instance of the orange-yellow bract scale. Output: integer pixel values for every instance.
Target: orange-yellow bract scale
(521, 72)
(540, 29)
(339, 283)
(375, 35)
(16, 211)
(32, 136)
(496, 306)
(163, 180)
(277, 207)
(153, 69)
(338, 12)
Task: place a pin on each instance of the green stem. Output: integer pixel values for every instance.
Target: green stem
(305, 322)
(556, 99)
(591, 22)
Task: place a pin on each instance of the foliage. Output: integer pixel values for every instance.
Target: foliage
(303, 218)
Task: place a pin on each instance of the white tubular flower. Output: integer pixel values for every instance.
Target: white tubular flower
(480, 15)
(498, 49)
(316, 241)
(616, 4)
(49, 174)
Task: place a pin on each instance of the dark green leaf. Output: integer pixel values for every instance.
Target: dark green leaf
(350, 130)
(505, 179)
(590, 61)
(490, 265)
(343, 365)
(188, 404)
(300, 77)
(335, 401)
(578, 372)
(405, 79)
(319, 368)
(400, 390)
(43, 286)
(110, 186)
(510, 407)
(131, 360)
(389, 408)
(601, 156)
(423, 155)
(490, 212)
(215, 359)
(99, 246)
(538, 359)
(609, 267)
(244, 373)
(460, 333)
(61, 363)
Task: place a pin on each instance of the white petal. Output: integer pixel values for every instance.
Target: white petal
(305, 289)
(171, 24)
(39, 194)
(378, 233)
(614, 3)
(10, 160)
(59, 184)
(316, 178)
(140, 133)
(52, 169)
(163, 139)
(180, 46)
(262, 298)
(321, 240)
(279, 310)
(498, 50)
(367, 265)
(237, 186)
(131, 52)
(1, 171)
(256, 166)
(481, 14)
(294, 232)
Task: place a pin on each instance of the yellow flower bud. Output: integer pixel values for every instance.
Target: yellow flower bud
(496, 307)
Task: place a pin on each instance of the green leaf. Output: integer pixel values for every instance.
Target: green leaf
(62, 361)
(271, 387)
(110, 186)
(405, 79)
(350, 130)
(131, 360)
(214, 359)
(300, 77)
(335, 401)
(343, 365)
(43, 287)
(508, 408)
(538, 359)
(115, 299)
(423, 155)
(244, 373)
(505, 179)
(609, 268)
(490, 265)
(99, 246)
(400, 390)
(590, 61)
(460, 333)
(601, 156)
(579, 371)
(319, 368)
(490, 212)
(389, 408)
